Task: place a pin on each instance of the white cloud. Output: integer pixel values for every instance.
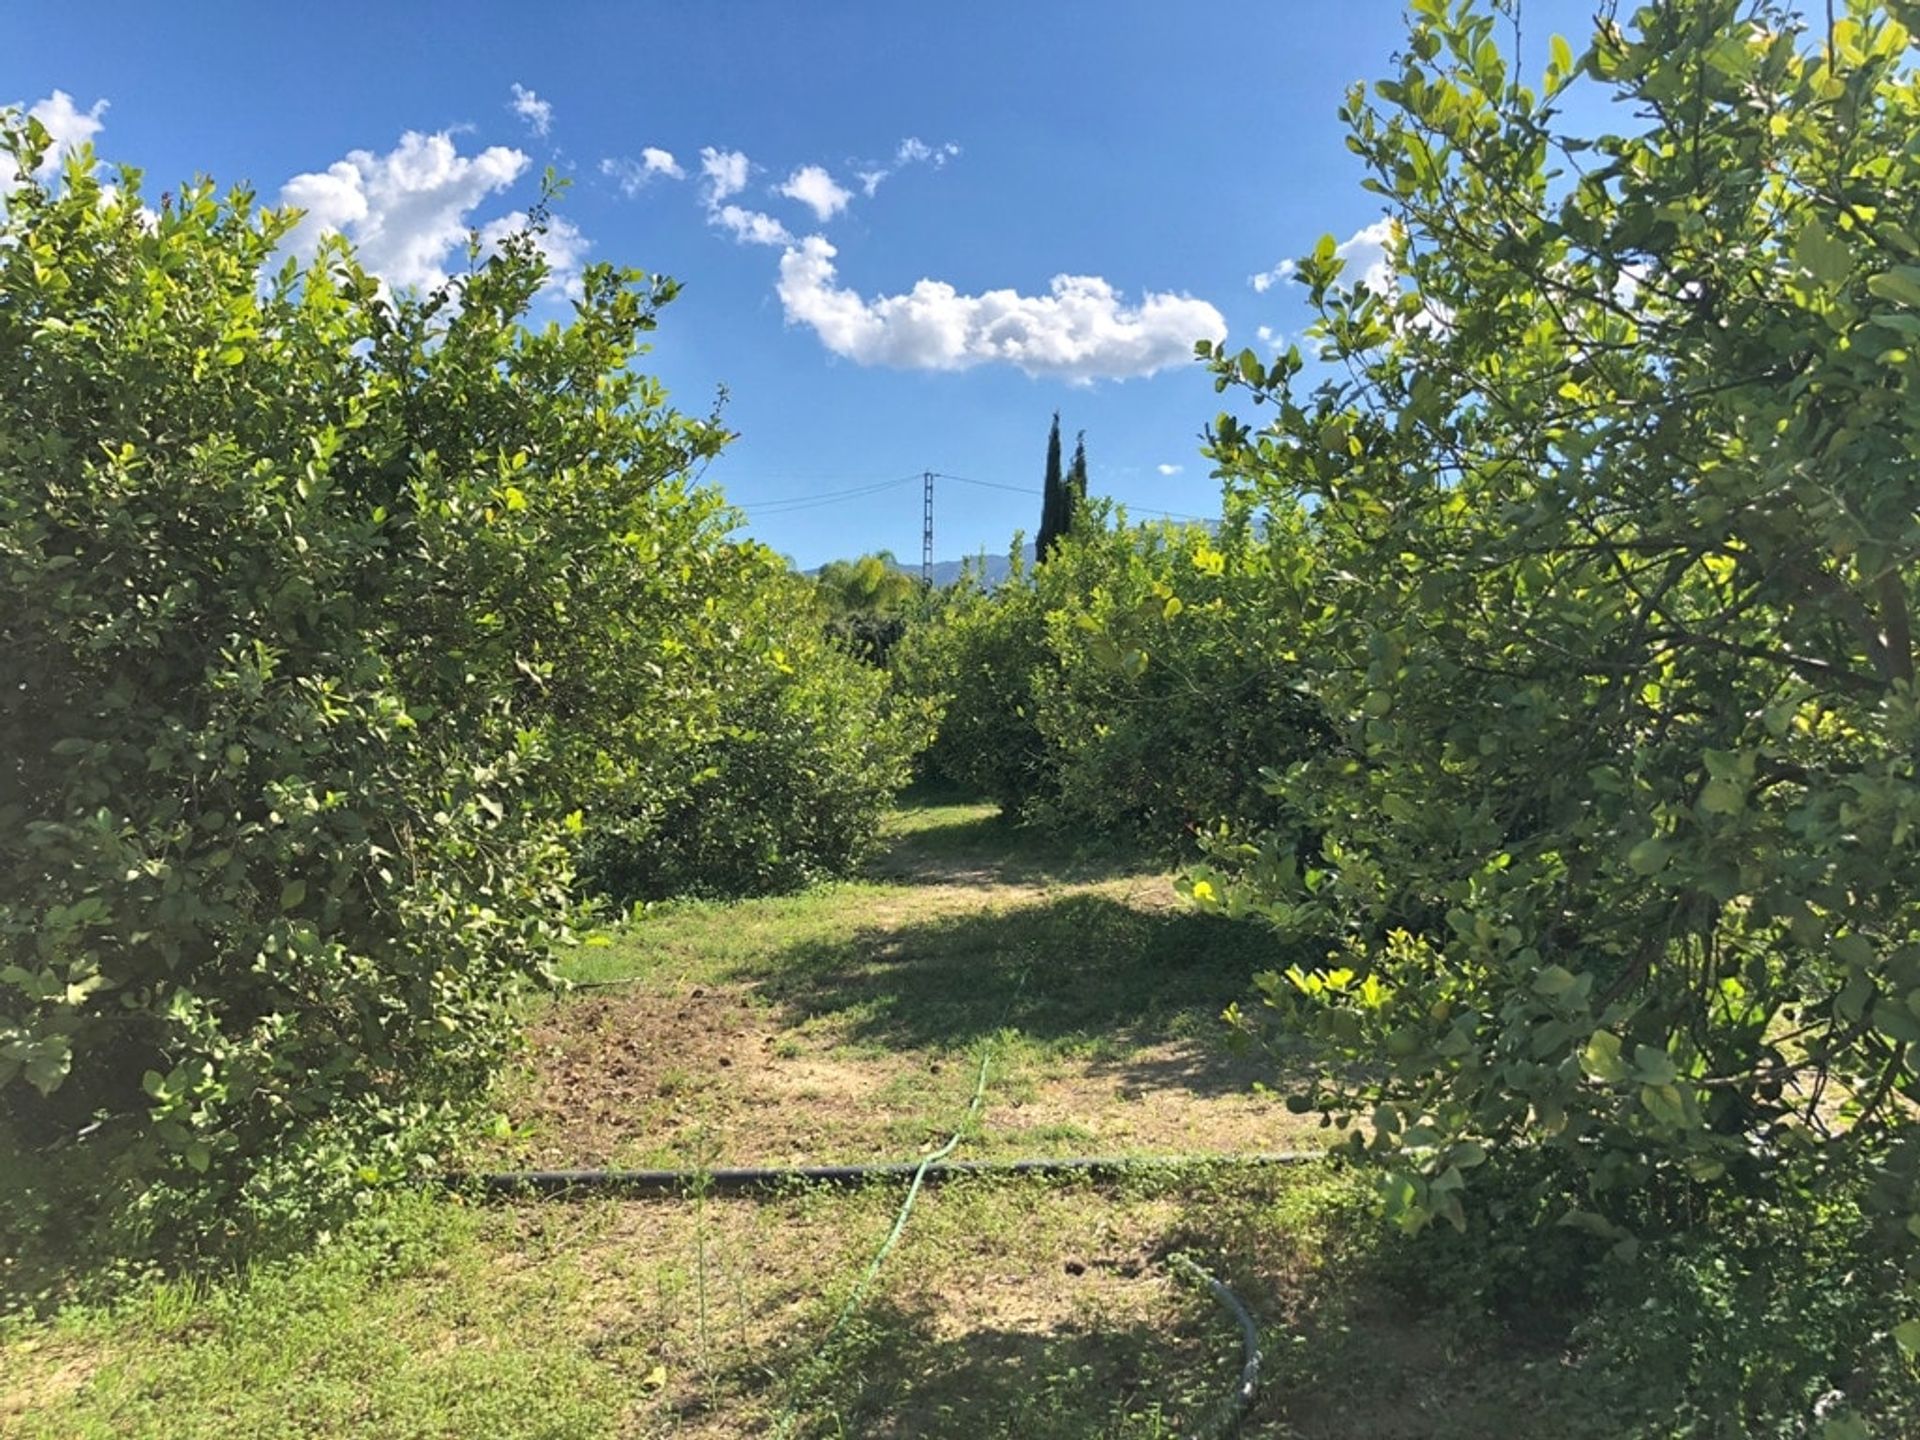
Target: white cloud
(813, 187)
(1078, 331)
(69, 127)
(561, 243)
(1267, 279)
(1365, 252)
(726, 172)
(911, 151)
(405, 211)
(1165, 469)
(915, 151)
(531, 108)
(749, 227)
(633, 176)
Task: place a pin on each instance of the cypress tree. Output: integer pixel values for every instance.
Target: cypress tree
(1076, 488)
(1054, 509)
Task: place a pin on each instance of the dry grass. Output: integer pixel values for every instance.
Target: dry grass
(844, 1024)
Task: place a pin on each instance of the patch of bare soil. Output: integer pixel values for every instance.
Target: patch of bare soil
(712, 1077)
(52, 1372)
(707, 1076)
(1176, 1097)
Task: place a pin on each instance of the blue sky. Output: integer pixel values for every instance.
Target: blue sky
(868, 205)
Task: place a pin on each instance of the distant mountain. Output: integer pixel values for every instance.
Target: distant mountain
(992, 569)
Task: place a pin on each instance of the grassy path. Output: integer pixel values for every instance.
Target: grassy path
(843, 1024)
(846, 1024)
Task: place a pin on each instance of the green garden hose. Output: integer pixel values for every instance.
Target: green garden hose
(788, 1412)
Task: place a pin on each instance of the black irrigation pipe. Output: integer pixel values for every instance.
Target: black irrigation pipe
(1228, 1414)
(580, 1184)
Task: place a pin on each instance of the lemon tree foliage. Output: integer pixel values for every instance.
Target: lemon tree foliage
(1615, 487)
(335, 623)
(1133, 685)
(794, 762)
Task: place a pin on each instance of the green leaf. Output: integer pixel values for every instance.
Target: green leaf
(292, 893)
(1653, 1067)
(1601, 1057)
(1553, 981)
(1907, 1336)
(1723, 797)
(1826, 259)
(1398, 808)
(49, 1064)
(1649, 857)
(1560, 55)
(1663, 1102)
(1900, 285)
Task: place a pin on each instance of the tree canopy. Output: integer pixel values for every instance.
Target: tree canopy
(1616, 520)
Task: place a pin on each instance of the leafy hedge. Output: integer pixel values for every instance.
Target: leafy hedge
(805, 747)
(1612, 480)
(1133, 685)
(330, 619)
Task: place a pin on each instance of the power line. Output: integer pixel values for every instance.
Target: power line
(784, 504)
(991, 484)
(1030, 490)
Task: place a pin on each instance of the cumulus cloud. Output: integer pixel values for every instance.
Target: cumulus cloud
(1267, 279)
(405, 211)
(562, 244)
(749, 227)
(68, 125)
(813, 187)
(911, 151)
(1079, 331)
(1365, 252)
(661, 162)
(726, 172)
(531, 108)
(1166, 469)
(633, 176)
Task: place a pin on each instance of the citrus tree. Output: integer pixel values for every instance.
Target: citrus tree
(1614, 482)
(322, 610)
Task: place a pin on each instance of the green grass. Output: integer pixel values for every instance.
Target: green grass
(1011, 1309)
(1031, 1308)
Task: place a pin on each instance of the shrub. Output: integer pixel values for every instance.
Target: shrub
(1136, 684)
(1613, 487)
(1172, 689)
(320, 608)
(803, 753)
(973, 657)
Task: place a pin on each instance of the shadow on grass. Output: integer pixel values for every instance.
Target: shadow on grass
(960, 845)
(899, 1371)
(1085, 969)
(1346, 1353)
